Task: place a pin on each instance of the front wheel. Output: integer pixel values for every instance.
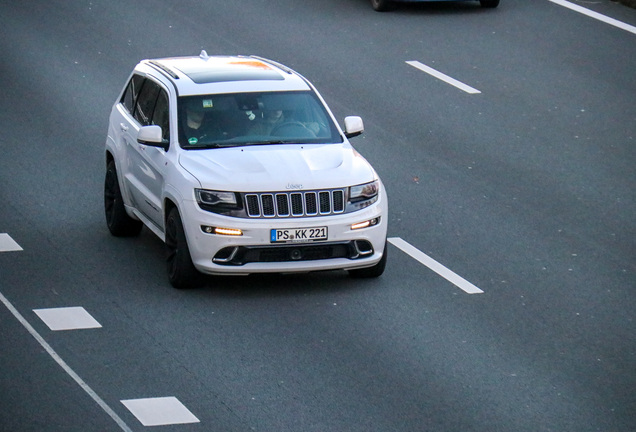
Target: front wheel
(489, 3)
(371, 272)
(382, 5)
(181, 271)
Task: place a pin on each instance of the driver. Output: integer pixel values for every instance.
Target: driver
(267, 122)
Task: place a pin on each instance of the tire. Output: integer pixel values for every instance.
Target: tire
(382, 5)
(489, 3)
(118, 221)
(181, 272)
(371, 272)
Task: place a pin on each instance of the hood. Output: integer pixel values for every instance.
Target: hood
(278, 167)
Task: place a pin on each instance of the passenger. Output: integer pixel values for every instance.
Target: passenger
(197, 126)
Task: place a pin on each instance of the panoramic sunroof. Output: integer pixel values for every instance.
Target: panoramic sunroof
(214, 70)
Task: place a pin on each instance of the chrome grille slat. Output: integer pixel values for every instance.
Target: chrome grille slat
(294, 204)
(311, 208)
(325, 202)
(282, 205)
(297, 208)
(267, 205)
(338, 201)
(252, 205)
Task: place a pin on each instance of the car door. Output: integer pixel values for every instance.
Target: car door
(145, 164)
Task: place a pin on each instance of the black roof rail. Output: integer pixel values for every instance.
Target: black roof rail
(278, 65)
(163, 68)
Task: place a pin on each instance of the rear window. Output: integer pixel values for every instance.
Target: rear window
(131, 93)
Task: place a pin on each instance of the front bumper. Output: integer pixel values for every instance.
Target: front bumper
(253, 251)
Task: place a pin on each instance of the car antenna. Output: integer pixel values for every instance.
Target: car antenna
(204, 55)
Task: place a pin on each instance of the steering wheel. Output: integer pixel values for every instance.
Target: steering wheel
(293, 129)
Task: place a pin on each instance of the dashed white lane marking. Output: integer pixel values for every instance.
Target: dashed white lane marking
(7, 244)
(160, 411)
(596, 15)
(438, 268)
(67, 318)
(150, 412)
(437, 74)
(103, 405)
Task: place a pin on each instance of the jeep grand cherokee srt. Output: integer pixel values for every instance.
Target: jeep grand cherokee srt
(237, 164)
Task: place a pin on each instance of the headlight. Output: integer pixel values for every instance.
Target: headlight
(216, 201)
(364, 191)
(363, 195)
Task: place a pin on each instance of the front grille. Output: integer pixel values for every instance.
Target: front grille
(294, 204)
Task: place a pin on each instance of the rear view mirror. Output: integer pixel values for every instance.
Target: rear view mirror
(151, 136)
(353, 126)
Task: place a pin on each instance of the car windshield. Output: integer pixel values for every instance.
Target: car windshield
(239, 119)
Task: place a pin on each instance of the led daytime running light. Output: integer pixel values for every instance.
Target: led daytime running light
(365, 224)
(360, 225)
(221, 231)
(228, 231)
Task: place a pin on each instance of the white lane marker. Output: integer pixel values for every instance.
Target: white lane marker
(123, 426)
(67, 318)
(596, 15)
(437, 74)
(438, 268)
(7, 244)
(160, 411)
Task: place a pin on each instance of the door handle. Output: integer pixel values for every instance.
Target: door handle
(123, 127)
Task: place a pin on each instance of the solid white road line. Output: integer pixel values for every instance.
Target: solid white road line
(596, 15)
(438, 268)
(437, 74)
(65, 366)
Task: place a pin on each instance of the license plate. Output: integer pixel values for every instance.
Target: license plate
(298, 235)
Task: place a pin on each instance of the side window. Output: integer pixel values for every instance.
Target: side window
(161, 115)
(145, 104)
(131, 93)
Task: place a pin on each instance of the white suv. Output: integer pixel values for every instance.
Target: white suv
(237, 164)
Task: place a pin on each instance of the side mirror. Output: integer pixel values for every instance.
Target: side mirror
(152, 136)
(353, 126)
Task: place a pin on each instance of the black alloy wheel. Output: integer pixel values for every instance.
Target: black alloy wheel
(382, 5)
(489, 3)
(118, 221)
(181, 271)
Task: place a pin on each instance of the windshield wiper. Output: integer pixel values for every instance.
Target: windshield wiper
(206, 146)
(266, 142)
(228, 144)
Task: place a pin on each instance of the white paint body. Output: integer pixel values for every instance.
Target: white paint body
(151, 178)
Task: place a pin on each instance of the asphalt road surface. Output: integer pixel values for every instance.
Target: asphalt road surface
(506, 139)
